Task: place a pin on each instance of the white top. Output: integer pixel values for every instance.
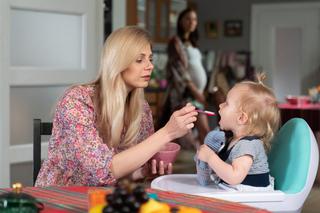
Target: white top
(196, 69)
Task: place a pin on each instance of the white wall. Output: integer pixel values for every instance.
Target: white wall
(221, 10)
(285, 42)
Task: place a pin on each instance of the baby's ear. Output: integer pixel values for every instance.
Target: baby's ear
(243, 118)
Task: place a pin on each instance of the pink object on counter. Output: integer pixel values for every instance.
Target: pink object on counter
(298, 100)
(168, 153)
(310, 106)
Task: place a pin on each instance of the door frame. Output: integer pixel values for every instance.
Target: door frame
(4, 97)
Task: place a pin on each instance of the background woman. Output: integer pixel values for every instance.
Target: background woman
(185, 73)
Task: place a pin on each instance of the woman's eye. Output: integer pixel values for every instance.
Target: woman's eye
(139, 60)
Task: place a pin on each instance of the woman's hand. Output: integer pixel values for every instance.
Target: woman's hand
(181, 121)
(151, 170)
(204, 153)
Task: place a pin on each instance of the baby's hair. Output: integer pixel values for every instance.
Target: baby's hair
(260, 105)
(260, 77)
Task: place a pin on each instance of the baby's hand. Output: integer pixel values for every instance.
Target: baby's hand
(204, 153)
(215, 140)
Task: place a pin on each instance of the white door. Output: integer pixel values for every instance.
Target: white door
(45, 46)
(285, 43)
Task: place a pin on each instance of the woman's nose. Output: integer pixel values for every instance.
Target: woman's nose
(150, 66)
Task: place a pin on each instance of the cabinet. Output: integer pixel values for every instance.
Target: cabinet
(157, 16)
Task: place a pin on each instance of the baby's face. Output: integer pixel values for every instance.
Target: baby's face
(229, 110)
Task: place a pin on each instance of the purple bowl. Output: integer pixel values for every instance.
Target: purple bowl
(168, 153)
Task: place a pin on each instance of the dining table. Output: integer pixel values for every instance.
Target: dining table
(75, 199)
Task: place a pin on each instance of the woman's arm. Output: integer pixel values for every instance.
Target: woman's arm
(129, 160)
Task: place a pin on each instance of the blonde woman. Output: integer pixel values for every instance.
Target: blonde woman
(103, 131)
(252, 115)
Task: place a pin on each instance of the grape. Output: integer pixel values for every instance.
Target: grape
(135, 206)
(125, 209)
(108, 209)
(123, 193)
(138, 191)
(120, 192)
(117, 202)
(174, 210)
(109, 199)
(125, 200)
(140, 194)
(143, 198)
(130, 200)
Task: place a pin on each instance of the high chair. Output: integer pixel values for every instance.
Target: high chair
(293, 162)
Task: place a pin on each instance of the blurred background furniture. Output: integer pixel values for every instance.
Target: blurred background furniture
(39, 129)
(154, 98)
(157, 16)
(293, 162)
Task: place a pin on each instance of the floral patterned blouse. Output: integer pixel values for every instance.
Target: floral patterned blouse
(77, 154)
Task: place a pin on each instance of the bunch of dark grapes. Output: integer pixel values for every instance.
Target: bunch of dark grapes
(125, 200)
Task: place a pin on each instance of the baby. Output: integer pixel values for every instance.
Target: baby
(251, 113)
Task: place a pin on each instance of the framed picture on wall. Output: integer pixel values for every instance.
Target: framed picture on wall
(212, 29)
(233, 28)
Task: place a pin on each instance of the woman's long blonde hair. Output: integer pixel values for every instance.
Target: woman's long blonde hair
(116, 109)
(260, 105)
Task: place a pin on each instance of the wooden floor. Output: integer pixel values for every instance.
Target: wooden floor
(312, 204)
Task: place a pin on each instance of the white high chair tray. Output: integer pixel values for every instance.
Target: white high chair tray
(187, 183)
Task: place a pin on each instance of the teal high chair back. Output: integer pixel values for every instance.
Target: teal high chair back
(293, 161)
(289, 158)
